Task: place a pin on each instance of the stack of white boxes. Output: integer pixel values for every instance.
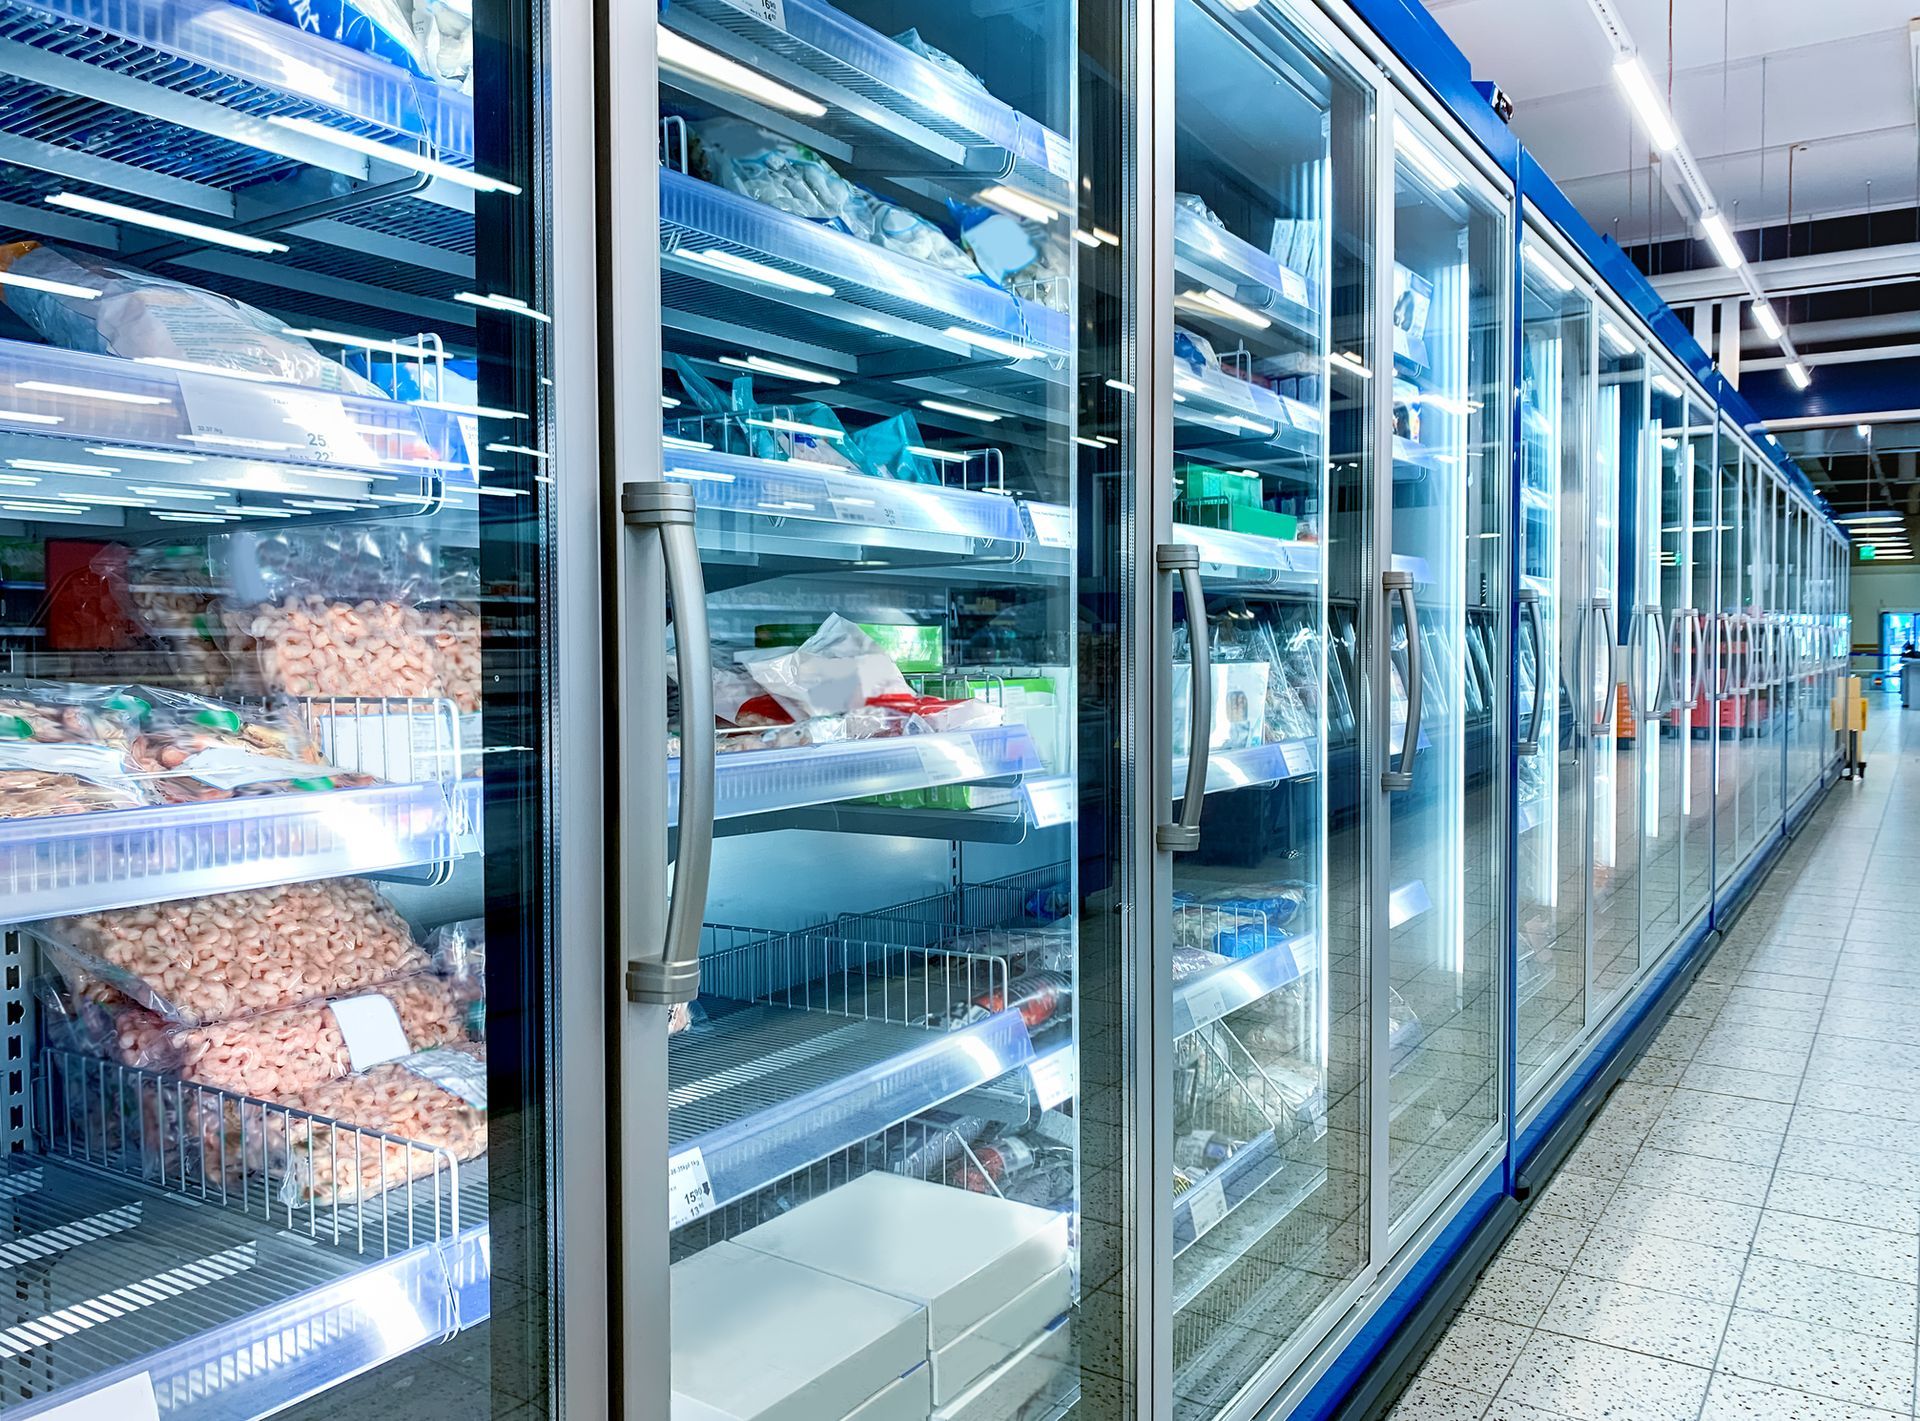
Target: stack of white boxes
(810, 1315)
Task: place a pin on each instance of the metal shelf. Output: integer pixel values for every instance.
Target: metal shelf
(1242, 1229)
(1255, 765)
(764, 781)
(875, 298)
(231, 1318)
(881, 96)
(1204, 997)
(1209, 1201)
(1220, 260)
(1250, 559)
(353, 445)
(1038, 804)
(81, 863)
(1245, 412)
(765, 1091)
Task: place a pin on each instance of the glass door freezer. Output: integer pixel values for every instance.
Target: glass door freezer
(300, 792)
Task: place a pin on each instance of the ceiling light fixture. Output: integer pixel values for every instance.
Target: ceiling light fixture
(1631, 75)
(683, 56)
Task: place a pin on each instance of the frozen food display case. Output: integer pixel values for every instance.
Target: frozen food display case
(279, 440)
(1664, 665)
(1556, 687)
(868, 405)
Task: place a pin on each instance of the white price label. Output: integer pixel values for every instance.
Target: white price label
(1306, 955)
(1304, 416)
(767, 12)
(284, 420)
(1207, 1001)
(1293, 286)
(689, 1191)
(1059, 153)
(1209, 1205)
(130, 1399)
(371, 1027)
(1055, 1077)
(1051, 801)
(867, 511)
(1297, 755)
(1052, 524)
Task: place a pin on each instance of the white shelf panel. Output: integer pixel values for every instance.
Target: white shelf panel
(1204, 997)
(79, 863)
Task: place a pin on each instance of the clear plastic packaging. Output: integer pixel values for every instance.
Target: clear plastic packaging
(315, 646)
(835, 670)
(56, 713)
(744, 158)
(226, 955)
(911, 39)
(171, 601)
(42, 781)
(198, 749)
(139, 316)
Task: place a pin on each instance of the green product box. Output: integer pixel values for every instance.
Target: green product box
(1200, 483)
(913, 649)
(1262, 521)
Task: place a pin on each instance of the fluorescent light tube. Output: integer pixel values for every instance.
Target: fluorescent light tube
(55, 466)
(1020, 204)
(19, 480)
(794, 426)
(1632, 77)
(683, 56)
(28, 417)
(998, 345)
(167, 491)
(939, 456)
(962, 411)
(1799, 374)
(456, 407)
(1764, 318)
(88, 392)
(385, 347)
(387, 153)
(530, 452)
(494, 301)
(1615, 339)
(199, 231)
(1720, 237)
(1349, 362)
(1085, 238)
(1544, 267)
(52, 288)
(1121, 385)
(193, 517)
(1214, 303)
(142, 456)
(757, 271)
(803, 373)
(1425, 161)
(197, 367)
(1666, 387)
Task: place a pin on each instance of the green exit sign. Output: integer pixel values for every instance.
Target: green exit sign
(1866, 552)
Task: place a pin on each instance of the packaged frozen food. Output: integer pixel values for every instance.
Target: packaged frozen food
(1194, 351)
(836, 669)
(200, 960)
(55, 713)
(1237, 923)
(744, 158)
(1239, 702)
(901, 229)
(192, 748)
(432, 38)
(1197, 205)
(274, 1052)
(138, 316)
(313, 646)
(43, 781)
(911, 39)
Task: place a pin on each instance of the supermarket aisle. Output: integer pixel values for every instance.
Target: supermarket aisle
(1738, 1236)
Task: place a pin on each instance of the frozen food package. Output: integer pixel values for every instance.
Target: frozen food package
(999, 243)
(351, 562)
(901, 229)
(313, 646)
(138, 316)
(431, 38)
(192, 748)
(1197, 205)
(199, 960)
(1194, 351)
(38, 780)
(836, 669)
(57, 713)
(744, 158)
(171, 601)
(453, 629)
(910, 39)
(889, 450)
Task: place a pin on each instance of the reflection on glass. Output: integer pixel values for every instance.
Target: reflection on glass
(1451, 247)
(1616, 764)
(1556, 700)
(1664, 665)
(1730, 753)
(1703, 541)
(1272, 361)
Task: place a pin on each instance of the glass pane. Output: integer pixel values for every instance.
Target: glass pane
(1272, 267)
(1615, 770)
(1665, 666)
(1730, 646)
(869, 212)
(1451, 245)
(1749, 652)
(1704, 661)
(277, 548)
(1556, 381)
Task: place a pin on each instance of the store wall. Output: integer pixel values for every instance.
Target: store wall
(1873, 590)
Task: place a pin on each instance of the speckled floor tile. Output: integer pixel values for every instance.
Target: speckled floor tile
(1589, 1381)
(1681, 1329)
(1689, 1217)
(1672, 1265)
(1476, 1354)
(1809, 1357)
(1736, 1399)
(1513, 1291)
(1877, 1253)
(1874, 1206)
(1435, 1401)
(1852, 1302)
(1576, 1196)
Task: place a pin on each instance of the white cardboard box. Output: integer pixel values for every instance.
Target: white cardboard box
(962, 1256)
(905, 1400)
(1002, 1393)
(760, 1338)
(992, 1340)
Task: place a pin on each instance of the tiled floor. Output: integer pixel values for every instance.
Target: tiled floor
(1738, 1235)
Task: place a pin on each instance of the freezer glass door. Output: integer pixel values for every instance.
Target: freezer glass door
(1729, 681)
(1662, 666)
(868, 214)
(1557, 702)
(1447, 524)
(1616, 539)
(1701, 684)
(1272, 268)
(1750, 657)
(1771, 695)
(281, 443)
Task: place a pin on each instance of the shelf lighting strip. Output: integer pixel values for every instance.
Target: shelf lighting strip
(1630, 72)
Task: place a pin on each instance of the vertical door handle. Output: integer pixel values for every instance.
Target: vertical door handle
(1530, 601)
(665, 512)
(1182, 835)
(1699, 687)
(1664, 682)
(1640, 703)
(1610, 632)
(1391, 780)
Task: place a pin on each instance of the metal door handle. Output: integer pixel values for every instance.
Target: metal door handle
(1664, 683)
(1182, 835)
(1644, 706)
(665, 512)
(1530, 600)
(1602, 712)
(1700, 672)
(1391, 780)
